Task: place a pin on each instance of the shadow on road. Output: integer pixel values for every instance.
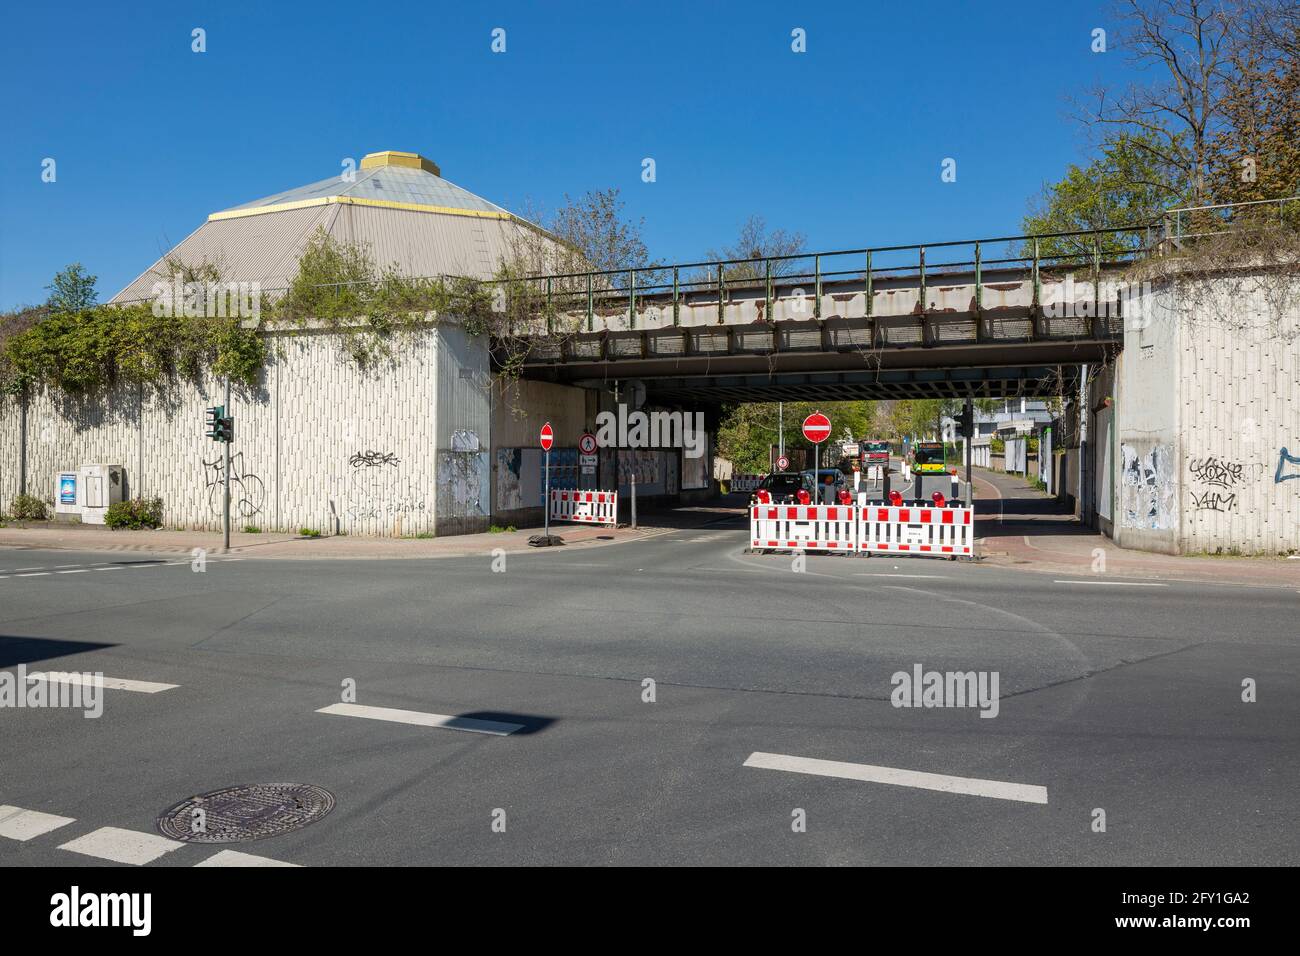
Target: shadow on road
(26, 650)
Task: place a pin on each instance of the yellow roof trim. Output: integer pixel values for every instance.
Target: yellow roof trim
(353, 201)
(393, 157)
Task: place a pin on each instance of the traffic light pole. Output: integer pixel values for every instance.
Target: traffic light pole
(970, 430)
(225, 511)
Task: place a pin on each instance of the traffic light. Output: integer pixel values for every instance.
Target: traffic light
(213, 422)
(220, 426)
(966, 422)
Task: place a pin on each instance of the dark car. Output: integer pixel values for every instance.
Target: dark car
(783, 484)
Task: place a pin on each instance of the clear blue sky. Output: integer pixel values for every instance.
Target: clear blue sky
(843, 143)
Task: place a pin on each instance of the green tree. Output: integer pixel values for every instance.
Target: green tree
(748, 431)
(72, 290)
(1127, 185)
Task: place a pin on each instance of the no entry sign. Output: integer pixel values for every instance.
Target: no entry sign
(547, 437)
(816, 428)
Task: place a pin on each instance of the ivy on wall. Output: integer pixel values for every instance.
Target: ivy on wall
(337, 289)
(91, 349)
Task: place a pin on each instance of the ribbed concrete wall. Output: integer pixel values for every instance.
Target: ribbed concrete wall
(399, 449)
(1239, 400)
(1208, 408)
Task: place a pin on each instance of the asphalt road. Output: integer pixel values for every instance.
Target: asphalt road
(1114, 695)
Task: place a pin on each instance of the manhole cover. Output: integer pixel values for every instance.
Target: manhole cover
(250, 812)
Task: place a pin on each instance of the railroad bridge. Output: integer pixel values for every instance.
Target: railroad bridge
(924, 321)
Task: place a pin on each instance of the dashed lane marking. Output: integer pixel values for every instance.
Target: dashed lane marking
(887, 574)
(19, 824)
(970, 786)
(471, 724)
(235, 858)
(111, 683)
(1118, 584)
(122, 846)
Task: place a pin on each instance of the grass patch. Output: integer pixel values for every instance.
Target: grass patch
(308, 533)
(252, 529)
(497, 529)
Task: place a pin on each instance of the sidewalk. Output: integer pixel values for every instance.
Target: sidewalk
(1019, 526)
(294, 547)
(70, 537)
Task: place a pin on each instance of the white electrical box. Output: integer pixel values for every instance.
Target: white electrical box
(98, 486)
(67, 493)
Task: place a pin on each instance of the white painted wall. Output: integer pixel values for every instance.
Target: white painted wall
(1208, 398)
(320, 443)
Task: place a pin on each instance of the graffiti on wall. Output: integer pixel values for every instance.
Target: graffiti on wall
(1220, 475)
(376, 489)
(1146, 488)
(247, 493)
(1284, 473)
(1219, 501)
(373, 459)
(1216, 471)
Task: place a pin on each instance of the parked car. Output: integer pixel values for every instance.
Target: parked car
(784, 485)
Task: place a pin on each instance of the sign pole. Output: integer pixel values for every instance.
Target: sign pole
(225, 511)
(817, 473)
(546, 438)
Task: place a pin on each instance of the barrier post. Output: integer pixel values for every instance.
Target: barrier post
(633, 476)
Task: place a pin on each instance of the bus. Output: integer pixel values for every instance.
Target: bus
(928, 458)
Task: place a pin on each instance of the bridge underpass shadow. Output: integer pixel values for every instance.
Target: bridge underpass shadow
(1022, 509)
(722, 512)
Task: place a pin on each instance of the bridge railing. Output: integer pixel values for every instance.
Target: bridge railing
(601, 293)
(612, 291)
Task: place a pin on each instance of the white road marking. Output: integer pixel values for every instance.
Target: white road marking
(29, 569)
(122, 846)
(887, 574)
(108, 569)
(19, 824)
(971, 786)
(235, 858)
(112, 683)
(1118, 584)
(497, 728)
(34, 574)
(78, 571)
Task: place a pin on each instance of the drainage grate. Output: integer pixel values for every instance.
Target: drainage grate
(247, 812)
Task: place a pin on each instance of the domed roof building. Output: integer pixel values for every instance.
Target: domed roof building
(396, 204)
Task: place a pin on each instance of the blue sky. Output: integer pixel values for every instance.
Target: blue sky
(843, 143)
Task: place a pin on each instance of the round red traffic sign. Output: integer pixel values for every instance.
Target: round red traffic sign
(782, 463)
(816, 428)
(547, 437)
(587, 443)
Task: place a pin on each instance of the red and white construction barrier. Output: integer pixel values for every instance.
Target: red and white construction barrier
(929, 529)
(746, 483)
(803, 527)
(589, 507)
(892, 529)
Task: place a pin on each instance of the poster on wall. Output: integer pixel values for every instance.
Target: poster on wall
(647, 465)
(695, 472)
